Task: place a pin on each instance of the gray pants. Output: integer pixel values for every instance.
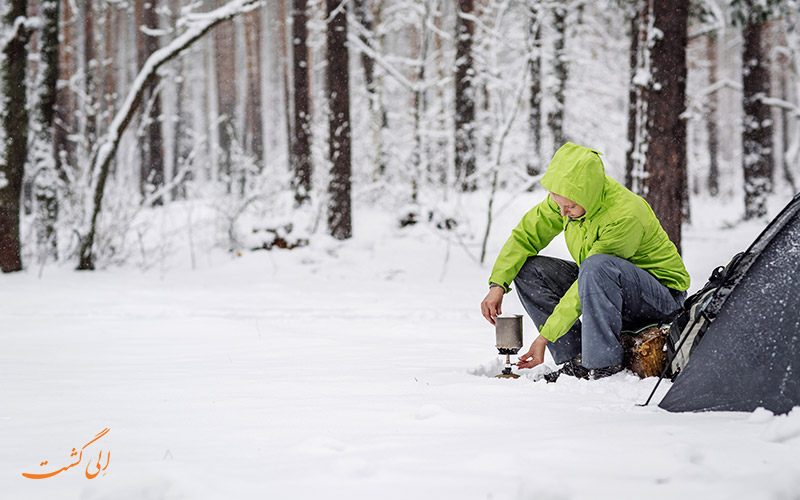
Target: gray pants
(614, 294)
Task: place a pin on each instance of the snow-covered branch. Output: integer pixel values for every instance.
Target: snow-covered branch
(721, 84)
(378, 58)
(782, 104)
(22, 27)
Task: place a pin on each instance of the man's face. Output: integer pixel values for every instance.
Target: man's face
(568, 207)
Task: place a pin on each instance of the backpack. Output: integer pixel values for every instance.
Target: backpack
(691, 322)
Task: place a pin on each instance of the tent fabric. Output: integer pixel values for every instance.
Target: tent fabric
(750, 354)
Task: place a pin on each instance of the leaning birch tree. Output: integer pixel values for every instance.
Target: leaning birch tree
(196, 26)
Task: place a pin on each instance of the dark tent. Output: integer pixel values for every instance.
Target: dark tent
(750, 355)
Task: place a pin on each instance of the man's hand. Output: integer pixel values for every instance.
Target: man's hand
(535, 355)
(491, 307)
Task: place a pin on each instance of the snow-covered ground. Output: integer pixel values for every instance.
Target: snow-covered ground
(344, 370)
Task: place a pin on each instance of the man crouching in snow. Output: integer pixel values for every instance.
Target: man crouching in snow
(628, 272)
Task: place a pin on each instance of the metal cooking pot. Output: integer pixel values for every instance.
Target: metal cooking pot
(508, 333)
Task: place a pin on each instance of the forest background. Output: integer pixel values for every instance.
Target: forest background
(127, 126)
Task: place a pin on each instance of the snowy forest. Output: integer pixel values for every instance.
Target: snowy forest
(291, 207)
(254, 124)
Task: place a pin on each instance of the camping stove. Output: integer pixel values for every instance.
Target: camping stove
(508, 333)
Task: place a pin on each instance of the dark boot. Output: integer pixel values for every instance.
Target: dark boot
(599, 373)
(573, 368)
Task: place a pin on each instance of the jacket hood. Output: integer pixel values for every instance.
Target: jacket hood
(577, 172)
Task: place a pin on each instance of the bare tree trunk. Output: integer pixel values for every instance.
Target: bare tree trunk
(419, 46)
(225, 66)
(180, 147)
(633, 64)
(254, 126)
(465, 97)
(666, 153)
(44, 162)
(785, 123)
(555, 118)
(89, 71)
(301, 136)
(151, 148)
(638, 97)
(712, 129)
(32, 68)
(338, 86)
(757, 127)
(362, 13)
(109, 78)
(64, 116)
(439, 148)
(378, 122)
(285, 69)
(14, 120)
(535, 165)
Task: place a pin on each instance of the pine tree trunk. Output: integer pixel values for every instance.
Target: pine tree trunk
(785, 121)
(439, 145)
(419, 48)
(535, 165)
(45, 176)
(151, 147)
(666, 152)
(555, 119)
(338, 87)
(377, 110)
(179, 149)
(757, 126)
(284, 72)
(14, 121)
(633, 64)
(301, 132)
(465, 97)
(89, 69)
(110, 52)
(254, 125)
(65, 117)
(638, 96)
(225, 69)
(362, 14)
(712, 129)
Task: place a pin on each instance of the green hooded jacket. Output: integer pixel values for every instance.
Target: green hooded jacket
(617, 222)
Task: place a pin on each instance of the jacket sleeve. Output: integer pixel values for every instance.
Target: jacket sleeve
(534, 232)
(621, 239)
